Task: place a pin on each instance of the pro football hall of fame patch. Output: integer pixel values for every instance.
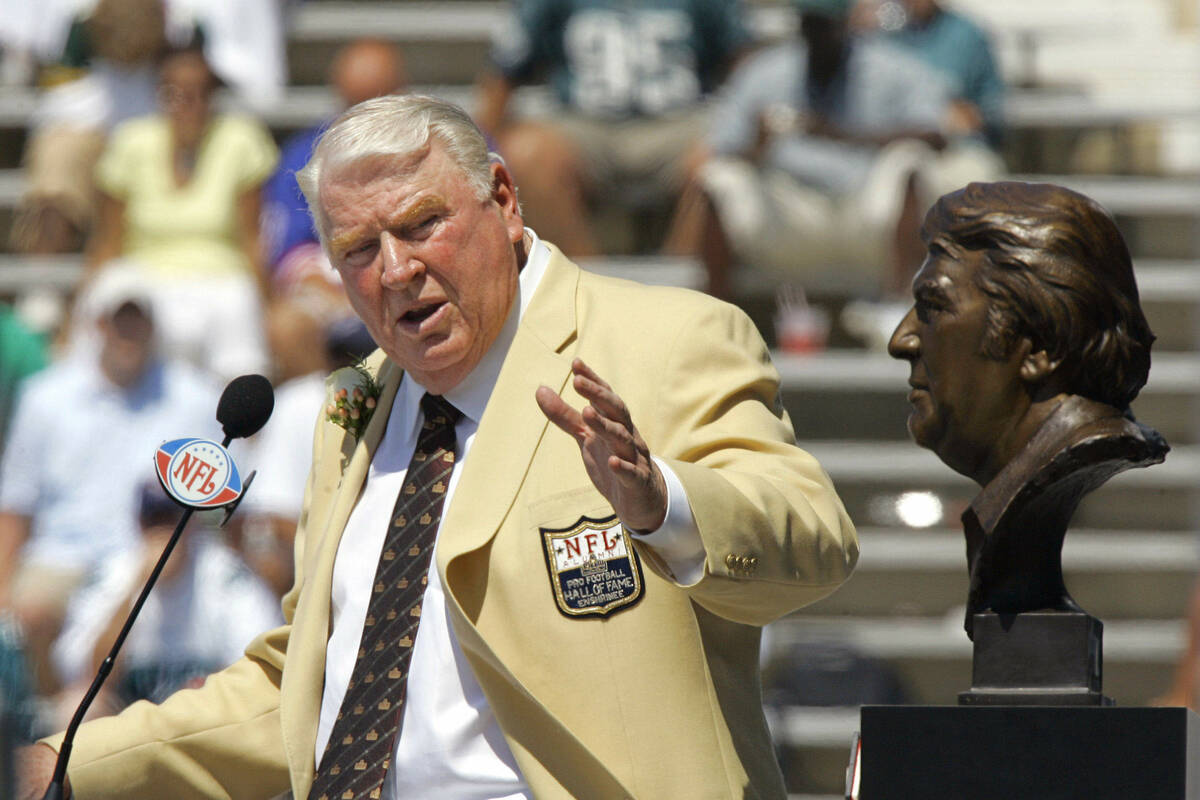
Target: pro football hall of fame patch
(594, 570)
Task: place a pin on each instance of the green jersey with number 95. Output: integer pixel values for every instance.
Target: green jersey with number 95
(621, 58)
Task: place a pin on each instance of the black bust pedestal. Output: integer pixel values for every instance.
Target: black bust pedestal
(1029, 752)
(1033, 725)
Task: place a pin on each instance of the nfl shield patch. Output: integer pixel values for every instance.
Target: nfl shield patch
(594, 570)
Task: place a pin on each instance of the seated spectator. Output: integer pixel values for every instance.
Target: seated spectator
(18, 707)
(100, 70)
(180, 196)
(824, 150)
(307, 347)
(106, 76)
(82, 434)
(204, 609)
(361, 70)
(962, 52)
(631, 79)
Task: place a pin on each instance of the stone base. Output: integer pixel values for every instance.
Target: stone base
(1036, 658)
(1003, 753)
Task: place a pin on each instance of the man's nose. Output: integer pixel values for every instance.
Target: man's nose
(400, 267)
(904, 342)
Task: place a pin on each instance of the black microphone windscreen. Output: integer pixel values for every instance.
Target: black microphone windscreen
(245, 406)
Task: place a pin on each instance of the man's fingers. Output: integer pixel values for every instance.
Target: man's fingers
(579, 367)
(595, 389)
(558, 412)
(628, 472)
(616, 435)
(606, 401)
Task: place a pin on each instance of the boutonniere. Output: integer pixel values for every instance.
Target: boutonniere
(355, 396)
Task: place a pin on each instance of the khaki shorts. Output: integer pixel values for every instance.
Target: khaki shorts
(58, 162)
(46, 587)
(640, 158)
(807, 236)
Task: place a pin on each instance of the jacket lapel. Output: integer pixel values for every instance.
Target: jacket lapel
(512, 424)
(304, 675)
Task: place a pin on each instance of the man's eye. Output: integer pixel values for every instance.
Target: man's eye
(359, 253)
(423, 227)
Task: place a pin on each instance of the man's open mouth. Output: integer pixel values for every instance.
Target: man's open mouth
(421, 313)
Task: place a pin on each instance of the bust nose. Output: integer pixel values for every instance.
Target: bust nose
(905, 343)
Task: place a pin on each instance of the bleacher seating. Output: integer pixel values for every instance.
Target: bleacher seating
(1082, 68)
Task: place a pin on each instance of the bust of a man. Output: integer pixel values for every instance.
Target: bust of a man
(1027, 344)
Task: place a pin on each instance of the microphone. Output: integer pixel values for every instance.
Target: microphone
(244, 407)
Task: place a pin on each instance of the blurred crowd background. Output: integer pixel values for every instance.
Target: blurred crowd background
(779, 154)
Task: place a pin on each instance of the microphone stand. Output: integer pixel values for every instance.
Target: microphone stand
(55, 790)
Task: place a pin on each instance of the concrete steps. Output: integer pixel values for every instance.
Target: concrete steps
(1114, 574)
(846, 394)
(933, 655)
(871, 476)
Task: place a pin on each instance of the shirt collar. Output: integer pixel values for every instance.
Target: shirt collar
(100, 385)
(472, 394)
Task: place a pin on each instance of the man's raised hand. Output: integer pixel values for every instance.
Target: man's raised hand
(614, 454)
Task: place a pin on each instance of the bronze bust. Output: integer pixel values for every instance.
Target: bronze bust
(1027, 344)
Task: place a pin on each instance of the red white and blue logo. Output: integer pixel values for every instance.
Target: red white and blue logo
(594, 569)
(198, 473)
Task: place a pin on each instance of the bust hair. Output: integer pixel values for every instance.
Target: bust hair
(1058, 272)
(396, 127)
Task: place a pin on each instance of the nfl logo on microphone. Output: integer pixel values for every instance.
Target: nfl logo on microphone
(198, 473)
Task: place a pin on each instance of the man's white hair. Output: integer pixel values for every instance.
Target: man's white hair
(396, 126)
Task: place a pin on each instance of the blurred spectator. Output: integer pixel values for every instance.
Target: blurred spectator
(80, 444)
(824, 151)
(631, 78)
(18, 706)
(33, 33)
(107, 75)
(361, 70)
(244, 43)
(180, 196)
(1185, 685)
(22, 353)
(205, 608)
(961, 51)
(101, 69)
(245, 38)
(306, 350)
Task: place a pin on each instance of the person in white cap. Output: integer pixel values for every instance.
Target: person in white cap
(80, 444)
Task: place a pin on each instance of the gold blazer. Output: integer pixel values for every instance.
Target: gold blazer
(657, 699)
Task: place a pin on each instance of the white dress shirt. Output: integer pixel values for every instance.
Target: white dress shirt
(450, 744)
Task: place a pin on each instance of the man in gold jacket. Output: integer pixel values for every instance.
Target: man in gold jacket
(668, 443)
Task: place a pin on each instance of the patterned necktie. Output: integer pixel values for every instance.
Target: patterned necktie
(359, 751)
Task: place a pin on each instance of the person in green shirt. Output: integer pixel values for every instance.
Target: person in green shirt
(22, 352)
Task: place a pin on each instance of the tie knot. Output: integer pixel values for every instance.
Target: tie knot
(439, 410)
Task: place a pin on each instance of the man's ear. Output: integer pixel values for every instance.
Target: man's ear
(1037, 366)
(504, 193)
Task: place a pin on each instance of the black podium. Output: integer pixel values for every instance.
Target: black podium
(1033, 726)
(1029, 753)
